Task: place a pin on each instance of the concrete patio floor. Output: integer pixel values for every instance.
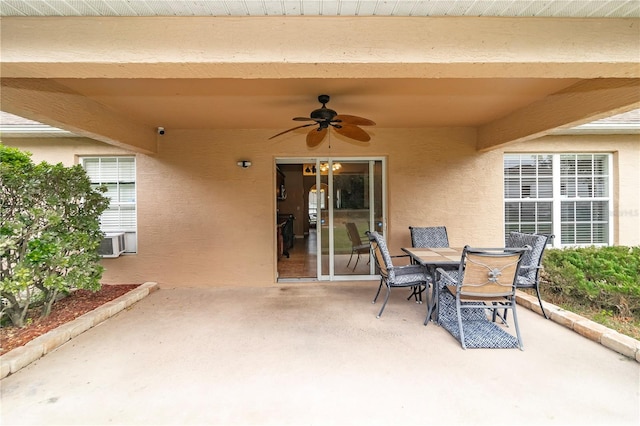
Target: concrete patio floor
(314, 354)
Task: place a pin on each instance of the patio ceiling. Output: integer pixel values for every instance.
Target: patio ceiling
(401, 94)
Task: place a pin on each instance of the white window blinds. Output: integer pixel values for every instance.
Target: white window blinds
(567, 195)
(118, 174)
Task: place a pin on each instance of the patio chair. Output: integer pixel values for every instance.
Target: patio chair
(486, 278)
(414, 276)
(529, 275)
(357, 246)
(429, 236)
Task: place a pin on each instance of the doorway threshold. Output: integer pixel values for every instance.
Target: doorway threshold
(298, 280)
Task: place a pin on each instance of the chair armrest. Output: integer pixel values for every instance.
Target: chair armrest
(527, 267)
(443, 275)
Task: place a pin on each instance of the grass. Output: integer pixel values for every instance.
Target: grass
(627, 325)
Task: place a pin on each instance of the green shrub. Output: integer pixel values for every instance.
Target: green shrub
(49, 233)
(605, 278)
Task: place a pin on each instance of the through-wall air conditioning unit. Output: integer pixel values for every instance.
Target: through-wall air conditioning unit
(112, 245)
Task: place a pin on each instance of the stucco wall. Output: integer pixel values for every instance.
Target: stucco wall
(204, 221)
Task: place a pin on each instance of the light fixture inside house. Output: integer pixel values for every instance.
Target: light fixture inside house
(324, 167)
(244, 163)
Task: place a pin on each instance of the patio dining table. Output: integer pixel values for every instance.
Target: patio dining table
(433, 258)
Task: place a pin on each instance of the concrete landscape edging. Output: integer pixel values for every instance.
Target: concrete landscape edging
(20, 357)
(625, 345)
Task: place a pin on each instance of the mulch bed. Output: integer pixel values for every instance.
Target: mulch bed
(64, 310)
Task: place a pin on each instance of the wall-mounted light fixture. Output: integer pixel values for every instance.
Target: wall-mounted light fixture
(244, 164)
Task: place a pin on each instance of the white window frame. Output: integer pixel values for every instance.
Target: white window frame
(557, 199)
(123, 223)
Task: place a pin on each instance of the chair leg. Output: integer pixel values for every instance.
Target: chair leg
(416, 292)
(350, 257)
(515, 322)
(495, 314)
(544, 313)
(432, 303)
(378, 292)
(540, 301)
(386, 299)
(459, 311)
(357, 259)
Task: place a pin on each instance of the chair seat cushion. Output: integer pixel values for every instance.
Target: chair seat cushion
(408, 274)
(524, 282)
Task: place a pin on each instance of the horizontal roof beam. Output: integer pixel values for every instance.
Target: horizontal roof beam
(50, 103)
(319, 47)
(579, 104)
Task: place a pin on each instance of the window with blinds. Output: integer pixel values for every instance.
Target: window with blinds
(118, 174)
(567, 195)
(584, 188)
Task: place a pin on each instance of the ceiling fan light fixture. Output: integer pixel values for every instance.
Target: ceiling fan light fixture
(324, 167)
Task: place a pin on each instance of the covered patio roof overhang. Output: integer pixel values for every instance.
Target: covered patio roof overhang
(116, 79)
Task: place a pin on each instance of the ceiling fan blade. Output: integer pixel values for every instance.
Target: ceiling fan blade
(294, 128)
(353, 120)
(306, 119)
(353, 132)
(314, 137)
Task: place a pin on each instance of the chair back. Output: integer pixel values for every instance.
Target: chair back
(490, 272)
(381, 253)
(354, 235)
(532, 260)
(429, 236)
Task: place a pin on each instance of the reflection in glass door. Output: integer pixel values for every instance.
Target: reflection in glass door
(354, 204)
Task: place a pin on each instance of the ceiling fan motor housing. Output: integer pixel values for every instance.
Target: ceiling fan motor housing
(323, 113)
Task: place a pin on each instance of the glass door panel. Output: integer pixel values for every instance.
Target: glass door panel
(354, 206)
(323, 224)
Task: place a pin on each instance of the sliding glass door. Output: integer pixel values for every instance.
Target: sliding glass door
(353, 204)
(334, 202)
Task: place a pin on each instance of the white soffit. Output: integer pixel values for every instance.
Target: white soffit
(626, 123)
(14, 126)
(510, 8)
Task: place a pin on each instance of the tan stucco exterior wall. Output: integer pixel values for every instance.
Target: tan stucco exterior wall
(203, 221)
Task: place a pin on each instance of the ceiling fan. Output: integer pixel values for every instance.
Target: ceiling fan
(346, 125)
